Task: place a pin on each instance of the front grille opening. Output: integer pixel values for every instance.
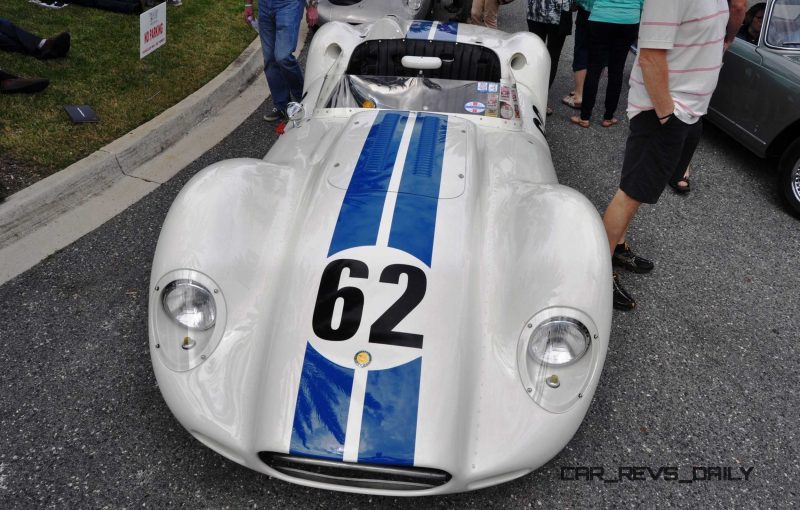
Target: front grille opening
(368, 476)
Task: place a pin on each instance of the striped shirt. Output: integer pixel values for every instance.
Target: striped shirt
(692, 32)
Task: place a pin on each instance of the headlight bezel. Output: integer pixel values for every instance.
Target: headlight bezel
(556, 321)
(168, 335)
(573, 377)
(173, 286)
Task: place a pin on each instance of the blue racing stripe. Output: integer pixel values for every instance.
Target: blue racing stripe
(360, 215)
(446, 32)
(389, 422)
(419, 29)
(414, 220)
(323, 402)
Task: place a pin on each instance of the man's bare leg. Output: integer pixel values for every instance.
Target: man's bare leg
(618, 216)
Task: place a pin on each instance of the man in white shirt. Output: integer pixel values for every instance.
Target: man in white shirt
(681, 43)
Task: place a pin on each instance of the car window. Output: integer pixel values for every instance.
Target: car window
(783, 30)
(489, 99)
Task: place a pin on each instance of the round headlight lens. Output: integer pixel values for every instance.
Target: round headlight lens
(189, 303)
(559, 341)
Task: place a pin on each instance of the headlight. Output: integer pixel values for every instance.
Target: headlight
(187, 318)
(414, 5)
(559, 341)
(189, 303)
(556, 358)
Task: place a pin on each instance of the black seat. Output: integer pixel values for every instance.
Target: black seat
(459, 61)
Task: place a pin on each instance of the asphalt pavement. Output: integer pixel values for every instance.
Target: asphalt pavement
(705, 374)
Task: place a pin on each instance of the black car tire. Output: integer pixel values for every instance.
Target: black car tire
(789, 177)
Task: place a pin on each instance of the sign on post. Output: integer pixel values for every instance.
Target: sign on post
(152, 29)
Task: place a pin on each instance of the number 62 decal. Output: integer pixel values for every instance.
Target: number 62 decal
(382, 330)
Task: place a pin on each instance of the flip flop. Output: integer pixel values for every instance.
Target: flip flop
(575, 119)
(607, 123)
(570, 101)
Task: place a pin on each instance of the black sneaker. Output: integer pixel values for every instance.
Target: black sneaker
(276, 114)
(624, 257)
(622, 298)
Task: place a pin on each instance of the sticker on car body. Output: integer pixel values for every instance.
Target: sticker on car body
(475, 107)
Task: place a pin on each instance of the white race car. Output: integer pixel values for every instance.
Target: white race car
(399, 298)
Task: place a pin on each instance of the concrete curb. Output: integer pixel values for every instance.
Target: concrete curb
(47, 199)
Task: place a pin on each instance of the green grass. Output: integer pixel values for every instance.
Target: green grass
(103, 70)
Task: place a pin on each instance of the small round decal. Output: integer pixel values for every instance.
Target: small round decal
(475, 107)
(506, 111)
(362, 358)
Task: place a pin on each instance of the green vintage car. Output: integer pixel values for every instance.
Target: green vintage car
(757, 100)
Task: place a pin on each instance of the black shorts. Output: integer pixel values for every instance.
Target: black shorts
(656, 154)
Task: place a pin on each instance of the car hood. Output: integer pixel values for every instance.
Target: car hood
(377, 277)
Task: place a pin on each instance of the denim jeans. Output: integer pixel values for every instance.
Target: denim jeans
(278, 27)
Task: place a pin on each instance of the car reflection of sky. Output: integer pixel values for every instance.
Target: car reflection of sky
(389, 423)
(320, 418)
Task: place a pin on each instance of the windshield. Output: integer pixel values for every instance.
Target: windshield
(783, 30)
(461, 78)
(489, 99)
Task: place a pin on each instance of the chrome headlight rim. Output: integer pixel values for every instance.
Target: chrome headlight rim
(555, 321)
(574, 378)
(159, 320)
(174, 285)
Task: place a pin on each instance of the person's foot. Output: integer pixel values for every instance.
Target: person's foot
(681, 186)
(624, 257)
(572, 101)
(622, 298)
(55, 47)
(549, 111)
(275, 114)
(578, 121)
(607, 123)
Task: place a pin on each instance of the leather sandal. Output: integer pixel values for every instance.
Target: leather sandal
(570, 101)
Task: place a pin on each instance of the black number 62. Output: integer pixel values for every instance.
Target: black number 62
(382, 330)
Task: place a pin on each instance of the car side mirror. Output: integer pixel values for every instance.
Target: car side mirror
(296, 112)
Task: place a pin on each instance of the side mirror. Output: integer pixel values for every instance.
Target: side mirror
(296, 112)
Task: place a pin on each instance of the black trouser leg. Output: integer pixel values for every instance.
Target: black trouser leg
(13, 38)
(598, 38)
(550, 34)
(620, 40)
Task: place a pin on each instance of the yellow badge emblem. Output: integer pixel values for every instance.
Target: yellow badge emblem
(362, 358)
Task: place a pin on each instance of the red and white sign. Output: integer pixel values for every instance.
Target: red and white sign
(152, 29)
